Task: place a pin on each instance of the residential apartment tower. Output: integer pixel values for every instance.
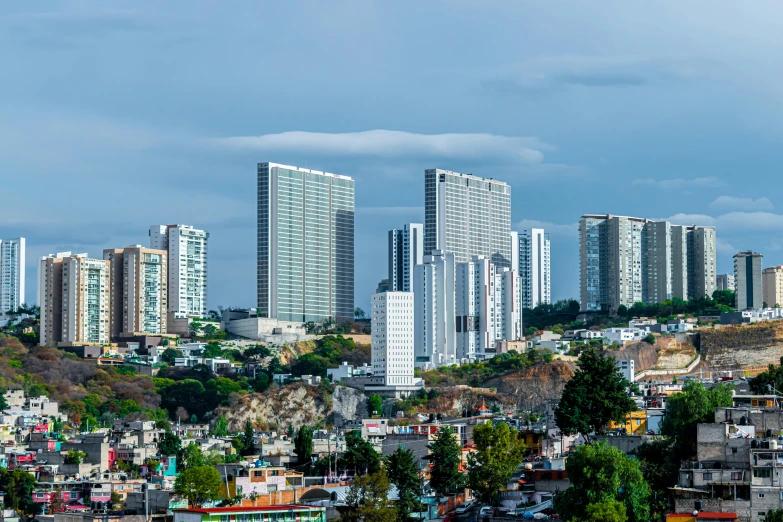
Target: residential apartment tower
(534, 267)
(186, 249)
(12, 274)
(748, 281)
(406, 250)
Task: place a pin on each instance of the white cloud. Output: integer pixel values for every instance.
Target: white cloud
(733, 203)
(724, 247)
(690, 219)
(680, 183)
(569, 230)
(388, 143)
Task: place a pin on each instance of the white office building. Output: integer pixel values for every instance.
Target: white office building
(433, 290)
(393, 339)
(187, 264)
(305, 244)
(625, 367)
(74, 293)
(406, 250)
(12, 274)
(468, 216)
(488, 308)
(535, 267)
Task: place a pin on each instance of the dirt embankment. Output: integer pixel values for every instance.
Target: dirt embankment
(643, 355)
(534, 387)
(749, 347)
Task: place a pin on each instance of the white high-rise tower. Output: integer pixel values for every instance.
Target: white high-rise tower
(187, 264)
(12, 274)
(534, 267)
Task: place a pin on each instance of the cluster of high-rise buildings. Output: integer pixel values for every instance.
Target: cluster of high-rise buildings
(129, 291)
(626, 260)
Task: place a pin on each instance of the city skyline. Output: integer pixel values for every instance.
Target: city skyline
(181, 144)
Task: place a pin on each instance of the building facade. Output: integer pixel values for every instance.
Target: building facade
(725, 282)
(305, 244)
(488, 301)
(625, 260)
(534, 267)
(433, 290)
(392, 338)
(772, 286)
(12, 274)
(747, 278)
(467, 215)
(406, 250)
(139, 283)
(75, 299)
(186, 248)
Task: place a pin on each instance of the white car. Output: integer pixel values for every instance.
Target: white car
(463, 508)
(485, 510)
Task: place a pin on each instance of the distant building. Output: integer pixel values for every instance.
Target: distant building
(467, 216)
(383, 286)
(535, 267)
(406, 250)
(725, 282)
(305, 244)
(772, 286)
(625, 260)
(187, 264)
(392, 341)
(626, 368)
(12, 274)
(747, 277)
(306, 513)
(435, 332)
(74, 293)
(139, 285)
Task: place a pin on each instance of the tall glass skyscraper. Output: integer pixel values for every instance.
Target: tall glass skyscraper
(305, 244)
(467, 216)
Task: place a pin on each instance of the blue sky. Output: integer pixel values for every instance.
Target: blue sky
(115, 116)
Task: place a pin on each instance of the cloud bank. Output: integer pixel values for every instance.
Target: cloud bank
(732, 203)
(680, 183)
(388, 143)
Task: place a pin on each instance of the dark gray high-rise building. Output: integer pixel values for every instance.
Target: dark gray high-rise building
(305, 244)
(467, 216)
(406, 250)
(747, 280)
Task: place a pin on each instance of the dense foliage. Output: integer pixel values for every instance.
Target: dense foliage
(330, 351)
(476, 374)
(499, 451)
(595, 395)
(198, 484)
(445, 456)
(368, 500)
(401, 469)
(601, 475)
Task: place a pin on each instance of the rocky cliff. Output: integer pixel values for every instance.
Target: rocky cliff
(749, 347)
(534, 387)
(347, 404)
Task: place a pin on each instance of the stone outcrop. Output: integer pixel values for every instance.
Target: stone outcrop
(292, 405)
(347, 404)
(534, 387)
(748, 347)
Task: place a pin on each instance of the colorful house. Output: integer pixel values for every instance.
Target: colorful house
(635, 423)
(290, 513)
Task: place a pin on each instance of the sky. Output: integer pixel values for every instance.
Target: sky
(115, 116)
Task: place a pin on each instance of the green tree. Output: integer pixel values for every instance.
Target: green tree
(74, 457)
(650, 338)
(696, 404)
(368, 500)
(375, 405)
(18, 486)
(170, 445)
(210, 331)
(195, 327)
(303, 446)
(221, 427)
(595, 395)
(499, 451)
(247, 438)
(198, 485)
(212, 350)
(169, 355)
(359, 455)
(606, 511)
(600, 475)
(191, 456)
(775, 515)
(3, 402)
(445, 457)
(359, 313)
(401, 469)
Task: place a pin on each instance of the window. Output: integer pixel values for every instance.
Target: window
(707, 476)
(761, 495)
(762, 473)
(734, 450)
(736, 475)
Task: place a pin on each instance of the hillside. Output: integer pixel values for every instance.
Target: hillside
(749, 347)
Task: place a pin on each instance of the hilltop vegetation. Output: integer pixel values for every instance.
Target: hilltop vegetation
(476, 374)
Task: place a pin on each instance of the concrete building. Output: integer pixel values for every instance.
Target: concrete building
(12, 274)
(488, 301)
(406, 250)
(186, 249)
(139, 285)
(248, 324)
(468, 216)
(433, 290)
(625, 367)
(535, 267)
(392, 343)
(772, 286)
(747, 277)
(725, 282)
(624, 260)
(74, 293)
(305, 244)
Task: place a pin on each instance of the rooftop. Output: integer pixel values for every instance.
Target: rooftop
(238, 509)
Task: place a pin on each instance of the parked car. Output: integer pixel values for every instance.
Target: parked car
(463, 508)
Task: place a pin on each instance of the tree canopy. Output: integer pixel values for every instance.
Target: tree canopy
(198, 484)
(595, 395)
(368, 499)
(445, 456)
(401, 469)
(359, 455)
(601, 475)
(499, 451)
(303, 446)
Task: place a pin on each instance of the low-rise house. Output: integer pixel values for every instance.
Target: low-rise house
(292, 513)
